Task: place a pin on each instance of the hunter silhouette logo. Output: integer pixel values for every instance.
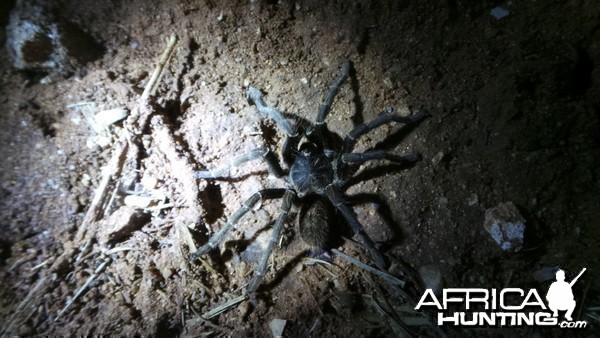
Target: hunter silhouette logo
(560, 295)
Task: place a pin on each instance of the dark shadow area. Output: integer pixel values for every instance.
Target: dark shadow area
(386, 214)
(359, 106)
(212, 200)
(378, 171)
(282, 273)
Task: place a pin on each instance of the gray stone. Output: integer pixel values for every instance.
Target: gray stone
(506, 226)
(37, 40)
(431, 277)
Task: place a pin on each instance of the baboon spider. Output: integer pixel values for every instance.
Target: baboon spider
(315, 170)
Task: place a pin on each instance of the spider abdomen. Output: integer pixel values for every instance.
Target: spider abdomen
(311, 174)
(314, 222)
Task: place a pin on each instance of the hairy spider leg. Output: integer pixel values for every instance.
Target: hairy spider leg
(384, 118)
(318, 133)
(254, 96)
(220, 235)
(264, 152)
(326, 106)
(358, 158)
(288, 199)
(338, 201)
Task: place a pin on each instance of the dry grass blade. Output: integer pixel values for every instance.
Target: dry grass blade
(224, 307)
(151, 86)
(386, 276)
(26, 303)
(397, 326)
(83, 288)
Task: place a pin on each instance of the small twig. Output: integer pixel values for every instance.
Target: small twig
(317, 322)
(40, 265)
(312, 295)
(206, 289)
(187, 238)
(589, 312)
(151, 86)
(400, 327)
(160, 207)
(310, 260)
(83, 288)
(23, 305)
(19, 262)
(204, 320)
(117, 249)
(225, 306)
(386, 276)
(79, 104)
(583, 299)
(114, 167)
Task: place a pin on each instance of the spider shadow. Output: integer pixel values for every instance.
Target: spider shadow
(212, 197)
(282, 273)
(398, 136)
(359, 106)
(384, 212)
(239, 246)
(375, 172)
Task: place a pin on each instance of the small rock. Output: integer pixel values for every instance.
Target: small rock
(120, 225)
(138, 202)
(389, 83)
(437, 158)
(277, 326)
(86, 180)
(431, 277)
(107, 117)
(499, 12)
(243, 309)
(545, 273)
(506, 226)
(167, 272)
(443, 201)
(472, 199)
(37, 39)
(98, 141)
(149, 182)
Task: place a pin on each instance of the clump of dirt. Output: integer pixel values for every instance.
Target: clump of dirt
(514, 113)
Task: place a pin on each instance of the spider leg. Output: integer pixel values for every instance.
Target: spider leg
(288, 199)
(336, 197)
(220, 235)
(266, 153)
(326, 106)
(384, 118)
(358, 158)
(254, 96)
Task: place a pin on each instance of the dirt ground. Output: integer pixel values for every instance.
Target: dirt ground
(514, 107)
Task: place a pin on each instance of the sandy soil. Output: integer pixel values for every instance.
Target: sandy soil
(514, 108)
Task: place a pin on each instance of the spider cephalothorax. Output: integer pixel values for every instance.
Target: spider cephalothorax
(311, 172)
(314, 175)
